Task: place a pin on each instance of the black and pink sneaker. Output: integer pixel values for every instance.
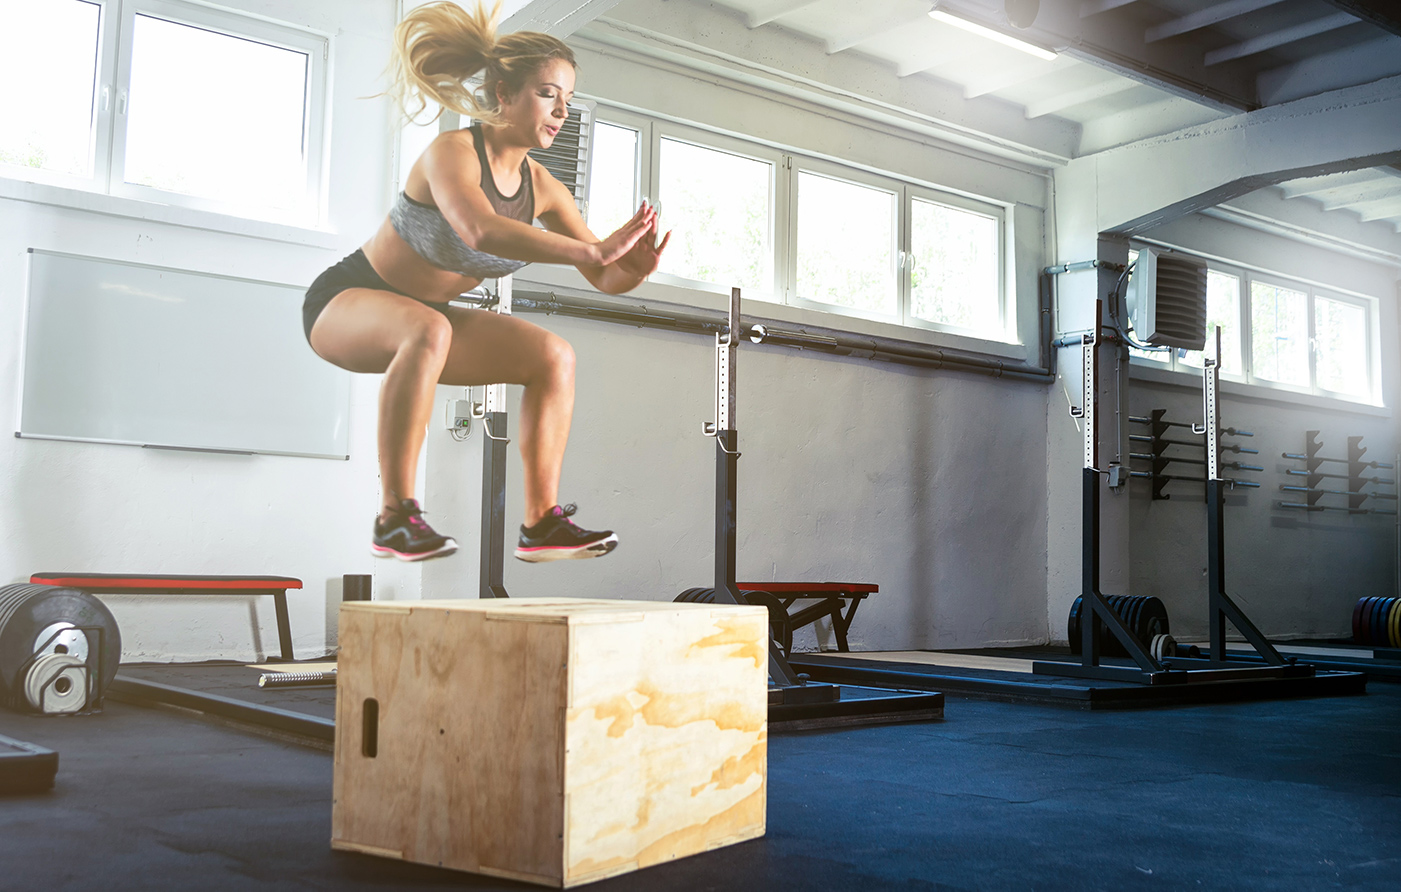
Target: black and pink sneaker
(408, 537)
(557, 538)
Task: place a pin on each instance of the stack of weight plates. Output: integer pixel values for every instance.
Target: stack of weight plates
(59, 649)
(1147, 618)
(1377, 622)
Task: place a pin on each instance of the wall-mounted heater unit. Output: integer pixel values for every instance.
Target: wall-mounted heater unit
(1168, 299)
(568, 157)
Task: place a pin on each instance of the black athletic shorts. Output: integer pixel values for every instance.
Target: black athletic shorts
(352, 272)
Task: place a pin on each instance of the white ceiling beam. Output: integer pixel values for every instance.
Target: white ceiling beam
(858, 35)
(1358, 64)
(1279, 38)
(1204, 18)
(1376, 190)
(1323, 185)
(560, 18)
(1009, 76)
(1381, 209)
(1154, 181)
(935, 59)
(1095, 7)
(766, 14)
(1071, 98)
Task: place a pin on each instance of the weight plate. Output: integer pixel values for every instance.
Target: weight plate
(28, 611)
(688, 595)
(1154, 618)
(1072, 624)
(1380, 614)
(1135, 618)
(1363, 630)
(1357, 621)
(1396, 624)
(1367, 620)
(1157, 615)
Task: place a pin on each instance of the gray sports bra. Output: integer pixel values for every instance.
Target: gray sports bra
(425, 229)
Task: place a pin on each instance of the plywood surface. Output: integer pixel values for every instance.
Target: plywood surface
(556, 741)
(668, 743)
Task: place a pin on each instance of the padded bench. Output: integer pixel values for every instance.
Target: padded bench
(150, 584)
(831, 597)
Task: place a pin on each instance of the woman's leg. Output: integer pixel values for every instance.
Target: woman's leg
(364, 330)
(489, 348)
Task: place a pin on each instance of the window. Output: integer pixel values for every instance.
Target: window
(1223, 312)
(49, 130)
(802, 231)
(954, 266)
(1279, 333)
(846, 245)
(723, 202)
(1340, 339)
(613, 171)
(167, 101)
(1283, 334)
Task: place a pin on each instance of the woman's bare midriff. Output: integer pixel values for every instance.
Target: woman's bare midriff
(402, 267)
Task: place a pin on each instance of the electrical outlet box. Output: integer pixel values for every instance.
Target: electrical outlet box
(459, 415)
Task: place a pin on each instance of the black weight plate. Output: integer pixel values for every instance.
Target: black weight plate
(689, 594)
(1135, 615)
(1380, 613)
(26, 610)
(1155, 618)
(1367, 620)
(1372, 614)
(1072, 624)
(1357, 620)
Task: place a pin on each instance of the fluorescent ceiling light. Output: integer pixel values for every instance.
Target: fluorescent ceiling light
(992, 34)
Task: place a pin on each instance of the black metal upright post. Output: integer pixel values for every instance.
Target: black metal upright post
(495, 427)
(1220, 607)
(1094, 606)
(726, 482)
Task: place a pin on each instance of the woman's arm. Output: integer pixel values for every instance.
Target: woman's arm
(454, 177)
(560, 214)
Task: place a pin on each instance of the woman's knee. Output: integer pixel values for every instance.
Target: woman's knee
(557, 358)
(428, 335)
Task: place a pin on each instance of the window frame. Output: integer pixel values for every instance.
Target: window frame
(651, 178)
(787, 164)
(113, 82)
(100, 120)
(1005, 271)
(1247, 276)
(899, 246)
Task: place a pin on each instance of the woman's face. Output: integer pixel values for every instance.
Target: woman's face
(536, 112)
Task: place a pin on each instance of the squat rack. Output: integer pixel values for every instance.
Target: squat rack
(1221, 608)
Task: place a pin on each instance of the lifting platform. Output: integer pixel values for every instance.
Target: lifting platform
(1142, 680)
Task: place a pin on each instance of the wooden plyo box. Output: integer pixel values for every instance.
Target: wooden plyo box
(551, 740)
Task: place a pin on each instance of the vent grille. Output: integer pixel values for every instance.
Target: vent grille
(568, 158)
(1170, 300)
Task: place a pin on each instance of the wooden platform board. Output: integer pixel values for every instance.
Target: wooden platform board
(552, 740)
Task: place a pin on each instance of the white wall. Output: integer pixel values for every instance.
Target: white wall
(85, 507)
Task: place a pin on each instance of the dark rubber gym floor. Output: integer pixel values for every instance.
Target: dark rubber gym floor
(1276, 795)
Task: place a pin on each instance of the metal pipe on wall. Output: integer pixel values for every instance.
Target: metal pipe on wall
(766, 331)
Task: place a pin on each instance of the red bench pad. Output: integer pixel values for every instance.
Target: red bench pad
(153, 583)
(814, 588)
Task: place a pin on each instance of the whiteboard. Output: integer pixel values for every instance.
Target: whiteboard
(118, 352)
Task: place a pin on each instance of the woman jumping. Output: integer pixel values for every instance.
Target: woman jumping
(465, 215)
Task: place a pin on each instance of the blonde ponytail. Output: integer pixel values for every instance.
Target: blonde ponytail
(439, 46)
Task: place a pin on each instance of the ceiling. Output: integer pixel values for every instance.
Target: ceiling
(1123, 70)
